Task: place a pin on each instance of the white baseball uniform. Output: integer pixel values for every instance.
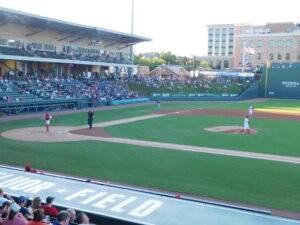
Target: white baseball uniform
(246, 124)
(251, 110)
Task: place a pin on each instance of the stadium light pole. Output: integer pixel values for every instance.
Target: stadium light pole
(131, 46)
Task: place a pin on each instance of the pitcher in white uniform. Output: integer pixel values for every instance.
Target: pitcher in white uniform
(246, 125)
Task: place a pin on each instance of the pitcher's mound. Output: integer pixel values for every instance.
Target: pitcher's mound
(95, 132)
(228, 129)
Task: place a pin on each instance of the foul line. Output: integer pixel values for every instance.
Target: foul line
(287, 159)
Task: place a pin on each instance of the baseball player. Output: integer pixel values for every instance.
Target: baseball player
(251, 109)
(90, 118)
(246, 125)
(158, 104)
(47, 119)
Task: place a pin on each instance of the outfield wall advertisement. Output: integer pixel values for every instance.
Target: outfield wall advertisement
(283, 81)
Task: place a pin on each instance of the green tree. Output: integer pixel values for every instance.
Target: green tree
(144, 61)
(168, 57)
(204, 64)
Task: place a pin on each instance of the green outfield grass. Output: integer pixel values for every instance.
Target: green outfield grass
(273, 137)
(258, 182)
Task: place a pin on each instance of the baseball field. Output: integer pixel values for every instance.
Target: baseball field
(163, 149)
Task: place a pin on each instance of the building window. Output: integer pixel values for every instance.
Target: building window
(3, 42)
(259, 44)
(210, 31)
(288, 30)
(280, 43)
(289, 43)
(14, 43)
(288, 56)
(48, 47)
(298, 55)
(251, 43)
(279, 56)
(258, 56)
(226, 64)
(230, 53)
(37, 45)
(271, 43)
(244, 44)
(216, 51)
(217, 31)
(271, 56)
(250, 57)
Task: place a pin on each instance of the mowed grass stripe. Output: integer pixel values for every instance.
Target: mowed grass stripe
(273, 137)
(251, 181)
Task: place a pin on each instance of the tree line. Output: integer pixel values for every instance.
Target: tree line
(155, 59)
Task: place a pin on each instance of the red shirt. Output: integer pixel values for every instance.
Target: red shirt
(50, 210)
(36, 223)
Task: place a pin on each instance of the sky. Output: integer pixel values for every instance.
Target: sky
(178, 26)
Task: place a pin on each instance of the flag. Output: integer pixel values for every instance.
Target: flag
(249, 50)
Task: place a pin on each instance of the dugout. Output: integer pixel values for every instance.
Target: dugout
(281, 80)
(107, 203)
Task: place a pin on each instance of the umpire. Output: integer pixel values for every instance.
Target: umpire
(90, 118)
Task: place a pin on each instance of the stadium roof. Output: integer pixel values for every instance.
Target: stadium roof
(68, 28)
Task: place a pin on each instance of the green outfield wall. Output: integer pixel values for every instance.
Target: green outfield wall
(281, 80)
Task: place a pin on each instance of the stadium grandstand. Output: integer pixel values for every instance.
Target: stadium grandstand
(58, 64)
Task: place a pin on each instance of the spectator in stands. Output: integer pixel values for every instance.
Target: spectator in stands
(63, 218)
(14, 216)
(72, 213)
(4, 210)
(82, 219)
(38, 217)
(22, 200)
(49, 209)
(35, 204)
(5, 197)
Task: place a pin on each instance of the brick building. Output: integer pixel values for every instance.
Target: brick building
(277, 42)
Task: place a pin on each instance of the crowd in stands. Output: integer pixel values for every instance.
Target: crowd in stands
(176, 83)
(18, 87)
(104, 56)
(45, 86)
(18, 211)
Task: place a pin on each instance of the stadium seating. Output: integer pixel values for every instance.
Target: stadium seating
(48, 87)
(19, 51)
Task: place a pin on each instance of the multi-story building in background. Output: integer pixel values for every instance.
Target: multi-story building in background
(276, 42)
(220, 45)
